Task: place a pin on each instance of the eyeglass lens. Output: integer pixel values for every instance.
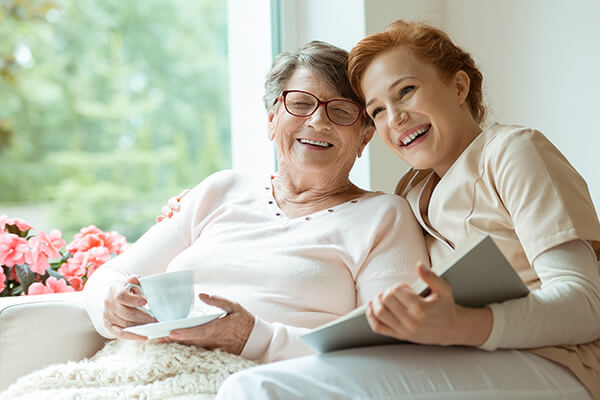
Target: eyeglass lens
(303, 104)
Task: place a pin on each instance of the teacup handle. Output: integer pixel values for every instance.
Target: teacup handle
(134, 285)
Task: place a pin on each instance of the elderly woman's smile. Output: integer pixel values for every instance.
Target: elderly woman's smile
(315, 143)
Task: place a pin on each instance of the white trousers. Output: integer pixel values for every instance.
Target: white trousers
(407, 372)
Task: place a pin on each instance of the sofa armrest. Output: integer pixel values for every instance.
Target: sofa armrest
(36, 331)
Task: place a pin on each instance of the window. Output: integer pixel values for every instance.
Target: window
(109, 107)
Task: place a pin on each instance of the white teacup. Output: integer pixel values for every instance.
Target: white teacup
(170, 295)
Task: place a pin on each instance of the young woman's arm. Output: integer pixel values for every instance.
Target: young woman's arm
(566, 309)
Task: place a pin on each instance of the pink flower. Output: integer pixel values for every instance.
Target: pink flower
(86, 238)
(50, 243)
(43, 247)
(38, 288)
(19, 223)
(58, 285)
(2, 279)
(98, 256)
(76, 283)
(13, 249)
(114, 242)
(86, 243)
(91, 237)
(90, 249)
(87, 261)
(74, 267)
(88, 230)
(52, 285)
(38, 261)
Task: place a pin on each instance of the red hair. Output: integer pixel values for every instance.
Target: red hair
(430, 45)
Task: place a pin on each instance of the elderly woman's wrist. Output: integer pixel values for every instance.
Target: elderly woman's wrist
(235, 336)
(247, 331)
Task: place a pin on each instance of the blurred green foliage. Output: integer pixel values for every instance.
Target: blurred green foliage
(108, 108)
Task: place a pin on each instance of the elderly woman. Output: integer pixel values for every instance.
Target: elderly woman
(424, 95)
(280, 253)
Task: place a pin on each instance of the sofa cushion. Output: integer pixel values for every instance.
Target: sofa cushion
(36, 331)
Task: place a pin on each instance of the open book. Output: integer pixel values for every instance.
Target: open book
(478, 273)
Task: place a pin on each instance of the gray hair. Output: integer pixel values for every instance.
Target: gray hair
(328, 61)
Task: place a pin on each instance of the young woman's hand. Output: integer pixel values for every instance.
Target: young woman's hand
(120, 309)
(229, 333)
(434, 319)
(172, 206)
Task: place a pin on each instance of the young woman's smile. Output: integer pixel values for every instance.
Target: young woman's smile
(413, 136)
(416, 110)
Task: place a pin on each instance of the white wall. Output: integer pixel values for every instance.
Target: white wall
(541, 65)
(339, 22)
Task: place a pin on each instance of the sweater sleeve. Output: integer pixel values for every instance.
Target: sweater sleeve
(569, 296)
(547, 199)
(273, 341)
(151, 254)
(398, 245)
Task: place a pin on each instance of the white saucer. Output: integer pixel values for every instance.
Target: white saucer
(161, 329)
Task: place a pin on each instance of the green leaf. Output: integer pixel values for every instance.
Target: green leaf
(56, 275)
(14, 229)
(16, 291)
(57, 264)
(26, 276)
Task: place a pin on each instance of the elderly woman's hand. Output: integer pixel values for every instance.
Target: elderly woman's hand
(434, 319)
(229, 333)
(120, 309)
(172, 206)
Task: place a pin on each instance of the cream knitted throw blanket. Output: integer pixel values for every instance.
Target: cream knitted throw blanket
(132, 370)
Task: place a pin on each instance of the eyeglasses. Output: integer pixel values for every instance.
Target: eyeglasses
(303, 104)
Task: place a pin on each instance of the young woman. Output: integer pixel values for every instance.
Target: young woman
(424, 95)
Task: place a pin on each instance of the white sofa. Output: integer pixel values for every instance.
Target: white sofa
(36, 331)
